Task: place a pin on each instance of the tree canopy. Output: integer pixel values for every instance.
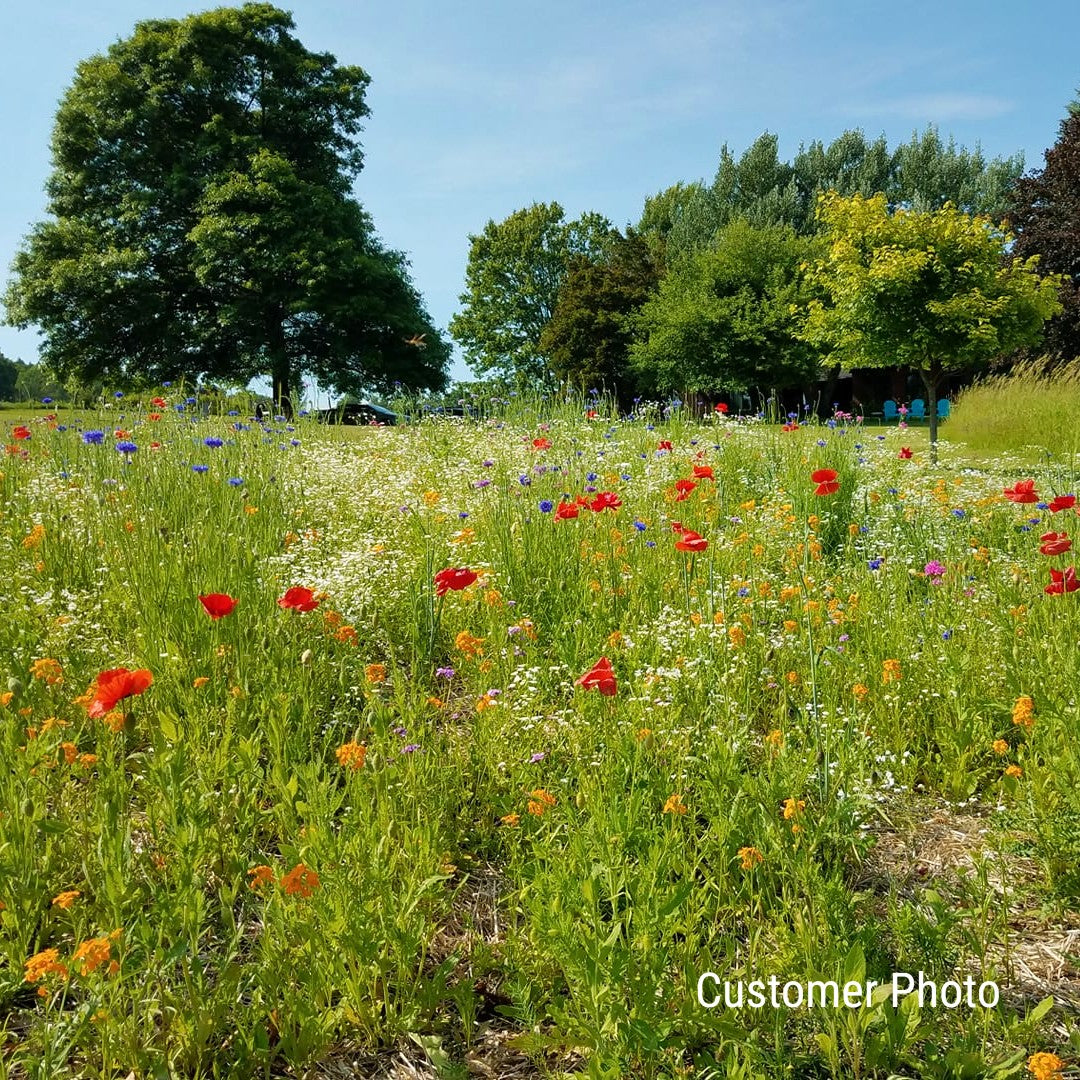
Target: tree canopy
(931, 290)
(1046, 216)
(202, 223)
(513, 276)
(727, 318)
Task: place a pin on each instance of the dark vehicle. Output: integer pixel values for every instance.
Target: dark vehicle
(358, 412)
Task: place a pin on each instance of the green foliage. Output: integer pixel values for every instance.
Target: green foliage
(591, 329)
(727, 319)
(930, 290)
(201, 222)
(512, 280)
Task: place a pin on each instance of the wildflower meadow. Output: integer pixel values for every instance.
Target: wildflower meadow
(467, 747)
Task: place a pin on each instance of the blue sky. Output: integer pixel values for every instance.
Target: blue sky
(479, 109)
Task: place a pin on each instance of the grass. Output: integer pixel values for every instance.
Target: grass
(396, 823)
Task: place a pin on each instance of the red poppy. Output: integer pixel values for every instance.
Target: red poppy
(1023, 492)
(114, 685)
(1054, 543)
(905, 452)
(1062, 582)
(691, 541)
(158, 401)
(720, 407)
(1062, 502)
(541, 444)
(565, 511)
(456, 578)
(703, 472)
(120, 433)
(677, 526)
(601, 677)
(217, 604)
(298, 599)
(605, 500)
(664, 444)
(591, 414)
(581, 500)
(792, 426)
(684, 487)
(826, 481)
(21, 432)
(153, 416)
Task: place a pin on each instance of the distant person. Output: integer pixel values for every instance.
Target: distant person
(258, 414)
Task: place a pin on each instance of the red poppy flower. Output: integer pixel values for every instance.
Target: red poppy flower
(581, 500)
(691, 541)
(905, 453)
(1054, 543)
(677, 526)
(217, 605)
(21, 432)
(565, 511)
(703, 472)
(1023, 492)
(605, 500)
(298, 599)
(684, 487)
(159, 402)
(591, 414)
(114, 685)
(120, 433)
(664, 444)
(541, 444)
(791, 426)
(456, 578)
(1062, 502)
(826, 481)
(153, 416)
(1062, 582)
(720, 407)
(601, 677)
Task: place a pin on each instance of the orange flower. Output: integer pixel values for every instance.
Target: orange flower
(200, 682)
(1023, 714)
(66, 899)
(1014, 771)
(375, 673)
(860, 691)
(48, 670)
(300, 881)
(890, 671)
(1044, 1066)
(260, 875)
(94, 952)
(540, 802)
(347, 635)
(674, 805)
(793, 807)
(87, 760)
(510, 819)
(468, 644)
(352, 755)
(775, 738)
(71, 752)
(999, 746)
(750, 857)
(116, 684)
(43, 964)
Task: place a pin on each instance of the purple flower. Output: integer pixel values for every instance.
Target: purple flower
(411, 748)
(445, 673)
(538, 756)
(933, 569)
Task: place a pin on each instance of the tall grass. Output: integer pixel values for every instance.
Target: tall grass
(1024, 412)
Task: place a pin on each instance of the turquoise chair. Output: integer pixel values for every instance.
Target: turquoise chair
(918, 409)
(889, 410)
(943, 408)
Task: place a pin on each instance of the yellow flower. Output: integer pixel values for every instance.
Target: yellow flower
(64, 900)
(251, 509)
(1014, 771)
(352, 755)
(860, 691)
(86, 760)
(775, 738)
(431, 498)
(436, 703)
(674, 805)
(790, 625)
(1023, 714)
(750, 857)
(463, 536)
(737, 636)
(5, 697)
(200, 682)
(793, 807)
(71, 752)
(999, 746)
(890, 671)
(788, 592)
(1044, 1066)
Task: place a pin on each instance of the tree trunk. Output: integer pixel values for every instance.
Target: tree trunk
(280, 365)
(931, 378)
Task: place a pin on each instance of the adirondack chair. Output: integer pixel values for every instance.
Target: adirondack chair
(889, 410)
(918, 409)
(943, 408)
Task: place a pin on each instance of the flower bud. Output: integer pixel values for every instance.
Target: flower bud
(306, 657)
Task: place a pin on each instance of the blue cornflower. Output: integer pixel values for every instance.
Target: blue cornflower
(546, 506)
(235, 481)
(200, 468)
(946, 634)
(93, 438)
(875, 564)
(590, 477)
(294, 442)
(744, 591)
(821, 442)
(213, 442)
(126, 447)
(650, 543)
(958, 513)
(118, 395)
(46, 401)
(640, 526)
(524, 480)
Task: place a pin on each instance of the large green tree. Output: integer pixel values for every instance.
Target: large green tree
(935, 291)
(1045, 213)
(202, 223)
(726, 319)
(512, 280)
(588, 337)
